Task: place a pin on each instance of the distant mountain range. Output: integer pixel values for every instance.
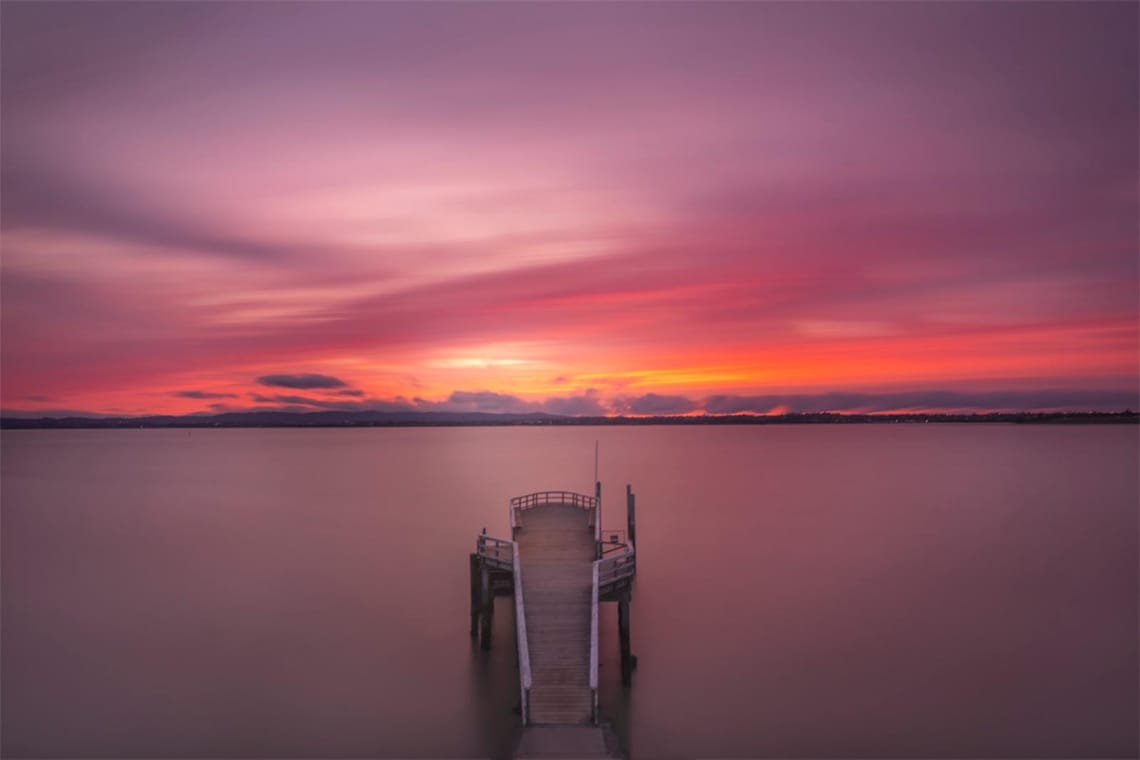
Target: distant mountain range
(442, 419)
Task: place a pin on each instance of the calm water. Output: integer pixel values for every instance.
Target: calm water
(862, 591)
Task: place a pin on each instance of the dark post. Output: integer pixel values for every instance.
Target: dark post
(631, 533)
(488, 605)
(475, 599)
(623, 635)
(598, 518)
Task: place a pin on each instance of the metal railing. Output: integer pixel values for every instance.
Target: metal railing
(523, 645)
(496, 552)
(520, 504)
(609, 574)
(594, 648)
(553, 497)
(617, 570)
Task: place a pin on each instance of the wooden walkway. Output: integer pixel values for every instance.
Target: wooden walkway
(557, 552)
(558, 569)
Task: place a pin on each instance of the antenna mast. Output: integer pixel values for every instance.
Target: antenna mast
(595, 461)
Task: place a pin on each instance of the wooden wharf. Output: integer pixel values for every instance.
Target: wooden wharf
(559, 566)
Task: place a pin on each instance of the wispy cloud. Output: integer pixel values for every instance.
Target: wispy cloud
(302, 381)
(37, 198)
(934, 400)
(203, 395)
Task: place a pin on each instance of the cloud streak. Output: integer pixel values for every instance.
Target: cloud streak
(592, 404)
(935, 400)
(309, 381)
(203, 395)
(34, 199)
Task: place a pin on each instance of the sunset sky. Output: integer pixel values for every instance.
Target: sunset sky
(579, 208)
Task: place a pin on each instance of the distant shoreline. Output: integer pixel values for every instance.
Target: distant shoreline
(459, 419)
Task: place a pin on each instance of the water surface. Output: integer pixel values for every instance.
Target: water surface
(803, 591)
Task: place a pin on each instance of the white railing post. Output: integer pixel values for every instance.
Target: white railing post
(520, 634)
(594, 647)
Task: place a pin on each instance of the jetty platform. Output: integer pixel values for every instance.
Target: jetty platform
(559, 566)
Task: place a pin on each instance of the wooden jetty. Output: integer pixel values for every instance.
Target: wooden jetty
(559, 565)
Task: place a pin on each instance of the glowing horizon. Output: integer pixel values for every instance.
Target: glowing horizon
(579, 209)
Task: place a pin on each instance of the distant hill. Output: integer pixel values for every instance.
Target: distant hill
(439, 419)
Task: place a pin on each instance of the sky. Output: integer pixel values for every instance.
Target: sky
(577, 208)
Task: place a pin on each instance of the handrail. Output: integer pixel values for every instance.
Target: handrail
(531, 500)
(520, 629)
(496, 552)
(572, 498)
(615, 569)
(594, 648)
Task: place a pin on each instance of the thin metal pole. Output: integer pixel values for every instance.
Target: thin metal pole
(595, 461)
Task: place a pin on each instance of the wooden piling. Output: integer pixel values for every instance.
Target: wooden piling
(476, 599)
(631, 521)
(487, 612)
(598, 518)
(623, 636)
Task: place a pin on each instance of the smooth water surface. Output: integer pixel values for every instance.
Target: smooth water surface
(803, 591)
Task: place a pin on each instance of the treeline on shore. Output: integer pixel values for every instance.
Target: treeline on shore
(453, 419)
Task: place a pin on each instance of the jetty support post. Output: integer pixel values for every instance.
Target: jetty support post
(476, 598)
(598, 518)
(487, 603)
(623, 635)
(631, 519)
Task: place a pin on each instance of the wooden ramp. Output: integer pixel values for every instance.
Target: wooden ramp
(558, 570)
(557, 551)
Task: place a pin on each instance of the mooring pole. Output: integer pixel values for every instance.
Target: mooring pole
(623, 635)
(475, 598)
(488, 605)
(631, 520)
(597, 519)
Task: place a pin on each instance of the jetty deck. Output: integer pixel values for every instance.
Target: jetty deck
(559, 566)
(557, 551)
